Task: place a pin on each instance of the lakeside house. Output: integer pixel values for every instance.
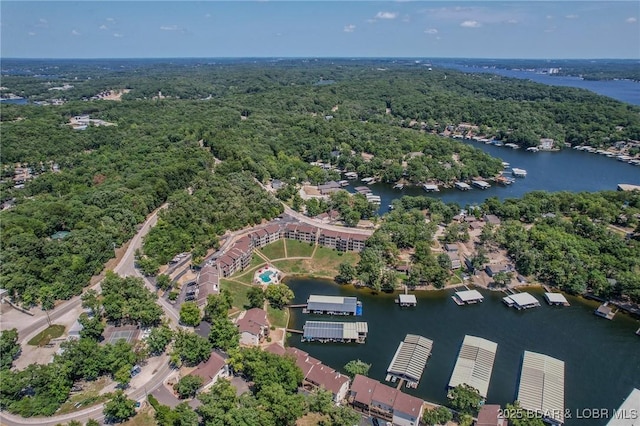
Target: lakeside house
(211, 370)
(208, 282)
(376, 399)
(491, 415)
(253, 327)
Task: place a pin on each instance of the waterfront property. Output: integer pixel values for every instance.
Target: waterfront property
(605, 311)
(333, 305)
(521, 301)
(407, 300)
(491, 415)
(519, 172)
(208, 283)
(467, 297)
(211, 370)
(541, 387)
(480, 184)
(253, 327)
(462, 186)
(430, 187)
(327, 331)
(381, 401)
(556, 299)
(410, 359)
(474, 364)
(627, 414)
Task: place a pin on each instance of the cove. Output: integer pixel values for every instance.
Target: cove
(602, 358)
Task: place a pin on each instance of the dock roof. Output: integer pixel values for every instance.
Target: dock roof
(474, 364)
(411, 357)
(555, 298)
(332, 303)
(469, 295)
(408, 298)
(626, 417)
(333, 330)
(523, 299)
(541, 386)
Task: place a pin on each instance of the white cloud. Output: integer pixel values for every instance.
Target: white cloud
(512, 21)
(387, 15)
(31, 33)
(42, 23)
(470, 24)
(631, 20)
(111, 20)
(571, 16)
(431, 31)
(169, 28)
(118, 35)
(103, 27)
(549, 16)
(371, 21)
(349, 28)
(75, 32)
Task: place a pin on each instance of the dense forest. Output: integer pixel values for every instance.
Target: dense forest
(196, 134)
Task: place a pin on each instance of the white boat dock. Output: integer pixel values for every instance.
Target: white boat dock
(556, 299)
(474, 364)
(398, 186)
(462, 186)
(519, 172)
(410, 359)
(368, 180)
(430, 187)
(480, 184)
(351, 175)
(467, 297)
(521, 301)
(405, 300)
(541, 387)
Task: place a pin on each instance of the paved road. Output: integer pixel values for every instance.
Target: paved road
(125, 268)
(302, 218)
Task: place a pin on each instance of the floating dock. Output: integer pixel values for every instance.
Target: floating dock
(368, 180)
(627, 413)
(519, 172)
(362, 189)
(480, 184)
(521, 301)
(474, 364)
(398, 186)
(462, 186)
(541, 388)
(342, 332)
(557, 299)
(351, 175)
(467, 297)
(430, 187)
(406, 300)
(504, 180)
(605, 311)
(333, 305)
(409, 360)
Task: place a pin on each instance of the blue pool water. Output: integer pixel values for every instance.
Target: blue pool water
(266, 276)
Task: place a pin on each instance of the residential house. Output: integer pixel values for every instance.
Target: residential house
(491, 415)
(492, 219)
(491, 270)
(407, 410)
(208, 283)
(211, 370)
(253, 327)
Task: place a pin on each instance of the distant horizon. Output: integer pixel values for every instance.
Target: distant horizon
(320, 57)
(478, 29)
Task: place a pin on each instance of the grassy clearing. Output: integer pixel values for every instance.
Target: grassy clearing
(44, 337)
(292, 266)
(298, 248)
(255, 261)
(89, 396)
(246, 277)
(274, 250)
(277, 317)
(238, 292)
(144, 417)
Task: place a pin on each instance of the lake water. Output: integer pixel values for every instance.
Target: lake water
(566, 170)
(602, 358)
(622, 90)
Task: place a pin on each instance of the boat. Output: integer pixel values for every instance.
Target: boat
(398, 186)
(506, 165)
(504, 180)
(519, 172)
(533, 149)
(498, 143)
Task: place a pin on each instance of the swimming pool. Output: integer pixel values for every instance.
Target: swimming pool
(266, 276)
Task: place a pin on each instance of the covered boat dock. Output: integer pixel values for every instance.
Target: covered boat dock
(333, 305)
(467, 297)
(327, 331)
(521, 301)
(409, 360)
(405, 300)
(462, 186)
(556, 299)
(474, 364)
(541, 387)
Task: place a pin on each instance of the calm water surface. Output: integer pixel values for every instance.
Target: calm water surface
(602, 358)
(567, 170)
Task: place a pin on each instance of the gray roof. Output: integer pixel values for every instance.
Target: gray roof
(411, 357)
(523, 299)
(332, 303)
(541, 386)
(333, 330)
(474, 364)
(468, 295)
(625, 412)
(408, 298)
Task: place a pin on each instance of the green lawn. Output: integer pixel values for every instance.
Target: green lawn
(247, 275)
(274, 250)
(277, 317)
(44, 337)
(291, 266)
(255, 261)
(89, 396)
(298, 248)
(238, 292)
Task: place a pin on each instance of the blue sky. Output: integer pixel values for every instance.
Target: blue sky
(480, 29)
